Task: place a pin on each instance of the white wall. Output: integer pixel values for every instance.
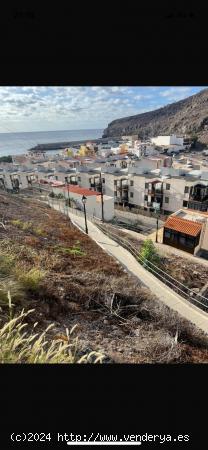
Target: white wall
(167, 140)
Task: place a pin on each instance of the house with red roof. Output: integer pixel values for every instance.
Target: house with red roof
(74, 193)
(187, 230)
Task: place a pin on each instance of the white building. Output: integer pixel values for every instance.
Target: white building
(11, 180)
(93, 203)
(167, 140)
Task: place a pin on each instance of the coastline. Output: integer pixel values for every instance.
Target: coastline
(62, 145)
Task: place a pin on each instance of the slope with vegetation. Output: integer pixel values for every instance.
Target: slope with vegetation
(48, 265)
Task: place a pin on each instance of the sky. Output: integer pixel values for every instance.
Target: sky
(44, 108)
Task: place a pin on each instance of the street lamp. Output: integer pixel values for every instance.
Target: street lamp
(102, 205)
(84, 199)
(67, 185)
(156, 238)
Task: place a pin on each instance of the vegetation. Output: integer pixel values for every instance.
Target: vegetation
(194, 139)
(75, 250)
(29, 280)
(67, 280)
(149, 254)
(17, 345)
(26, 226)
(58, 196)
(6, 159)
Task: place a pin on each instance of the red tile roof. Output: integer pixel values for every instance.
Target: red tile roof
(183, 226)
(79, 190)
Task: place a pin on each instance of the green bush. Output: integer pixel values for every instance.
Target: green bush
(148, 254)
(30, 280)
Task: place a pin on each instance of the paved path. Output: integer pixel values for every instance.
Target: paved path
(162, 292)
(167, 249)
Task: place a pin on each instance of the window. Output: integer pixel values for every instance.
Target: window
(186, 190)
(146, 185)
(115, 193)
(79, 178)
(167, 233)
(185, 203)
(103, 180)
(166, 199)
(190, 242)
(90, 180)
(167, 186)
(146, 197)
(182, 240)
(115, 183)
(131, 183)
(131, 194)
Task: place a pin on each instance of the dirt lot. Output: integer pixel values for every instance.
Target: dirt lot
(83, 285)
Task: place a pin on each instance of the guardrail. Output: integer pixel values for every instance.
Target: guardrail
(197, 299)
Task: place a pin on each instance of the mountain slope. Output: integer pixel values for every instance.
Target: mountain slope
(188, 116)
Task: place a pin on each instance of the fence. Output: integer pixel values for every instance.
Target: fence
(141, 211)
(62, 207)
(197, 299)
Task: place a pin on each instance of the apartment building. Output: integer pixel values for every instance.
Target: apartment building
(16, 180)
(117, 185)
(165, 189)
(91, 179)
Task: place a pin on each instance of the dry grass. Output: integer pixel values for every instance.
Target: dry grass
(67, 277)
(18, 345)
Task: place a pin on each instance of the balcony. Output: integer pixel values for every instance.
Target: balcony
(153, 192)
(198, 205)
(124, 187)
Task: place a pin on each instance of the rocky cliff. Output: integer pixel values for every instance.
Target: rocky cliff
(188, 116)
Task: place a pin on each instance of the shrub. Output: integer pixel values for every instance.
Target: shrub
(29, 280)
(60, 196)
(75, 250)
(39, 231)
(22, 225)
(6, 264)
(148, 254)
(17, 223)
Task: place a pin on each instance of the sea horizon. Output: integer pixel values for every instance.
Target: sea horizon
(16, 143)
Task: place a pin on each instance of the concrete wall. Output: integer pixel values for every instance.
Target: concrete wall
(109, 184)
(204, 237)
(137, 189)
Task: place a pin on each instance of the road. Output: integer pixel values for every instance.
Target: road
(162, 292)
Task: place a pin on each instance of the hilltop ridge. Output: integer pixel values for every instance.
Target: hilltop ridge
(188, 116)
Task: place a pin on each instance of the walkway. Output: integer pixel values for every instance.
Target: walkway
(162, 292)
(167, 249)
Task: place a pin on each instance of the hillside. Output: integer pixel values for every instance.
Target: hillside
(188, 116)
(50, 266)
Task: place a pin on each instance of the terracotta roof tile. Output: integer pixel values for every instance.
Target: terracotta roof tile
(81, 191)
(183, 226)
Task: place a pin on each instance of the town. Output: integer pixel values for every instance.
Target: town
(162, 180)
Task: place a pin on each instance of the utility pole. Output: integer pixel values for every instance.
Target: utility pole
(157, 231)
(102, 204)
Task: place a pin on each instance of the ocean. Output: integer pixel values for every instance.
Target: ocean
(17, 143)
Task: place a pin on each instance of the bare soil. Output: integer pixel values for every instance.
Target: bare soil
(114, 313)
